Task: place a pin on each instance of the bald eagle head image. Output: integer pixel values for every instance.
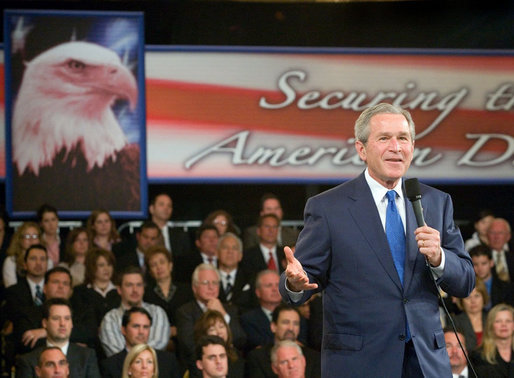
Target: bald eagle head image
(64, 127)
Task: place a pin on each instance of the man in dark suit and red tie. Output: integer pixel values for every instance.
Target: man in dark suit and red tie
(362, 246)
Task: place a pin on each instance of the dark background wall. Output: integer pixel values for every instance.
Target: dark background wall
(422, 24)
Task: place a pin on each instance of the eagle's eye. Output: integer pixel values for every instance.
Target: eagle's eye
(76, 65)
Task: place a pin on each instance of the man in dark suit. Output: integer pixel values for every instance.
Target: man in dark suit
(270, 204)
(284, 326)
(267, 254)
(205, 285)
(256, 323)
(176, 240)
(52, 363)
(362, 246)
(236, 283)
(499, 234)
(57, 321)
(135, 327)
(458, 361)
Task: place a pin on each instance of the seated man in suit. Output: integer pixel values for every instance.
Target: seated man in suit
(458, 360)
(211, 357)
(236, 283)
(131, 289)
(57, 322)
(287, 360)
(256, 323)
(135, 327)
(205, 285)
(52, 363)
(270, 204)
(206, 243)
(147, 236)
(267, 254)
(285, 326)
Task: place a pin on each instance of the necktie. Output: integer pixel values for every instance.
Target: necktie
(38, 300)
(228, 287)
(271, 262)
(210, 260)
(501, 269)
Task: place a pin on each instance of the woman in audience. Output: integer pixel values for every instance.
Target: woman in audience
(223, 221)
(49, 223)
(212, 322)
(471, 321)
(481, 223)
(77, 245)
(141, 361)
(98, 291)
(164, 292)
(26, 235)
(495, 357)
(102, 229)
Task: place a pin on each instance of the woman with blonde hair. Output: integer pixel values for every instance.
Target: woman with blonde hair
(141, 361)
(495, 357)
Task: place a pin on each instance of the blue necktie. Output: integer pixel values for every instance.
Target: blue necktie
(38, 300)
(396, 238)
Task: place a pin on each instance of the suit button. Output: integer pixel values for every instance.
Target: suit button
(402, 337)
(405, 300)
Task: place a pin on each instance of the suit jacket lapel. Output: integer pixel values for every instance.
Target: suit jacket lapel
(366, 217)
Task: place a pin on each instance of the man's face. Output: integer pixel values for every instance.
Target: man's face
(162, 209)
(287, 326)
(482, 266)
(58, 286)
(272, 206)
(498, 234)
(207, 287)
(59, 323)
(268, 231)
(137, 329)
(214, 362)
(388, 151)
(36, 264)
(229, 254)
(53, 365)
(457, 358)
(131, 290)
(290, 363)
(148, 237)
(208, 242)
(267, 291)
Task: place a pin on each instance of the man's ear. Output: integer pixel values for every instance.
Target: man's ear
(199, 364)
(361, 149)
(273, 327)
(44, 323)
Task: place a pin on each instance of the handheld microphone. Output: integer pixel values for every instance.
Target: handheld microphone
(414, 195)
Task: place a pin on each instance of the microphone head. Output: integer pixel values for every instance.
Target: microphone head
(412, 189)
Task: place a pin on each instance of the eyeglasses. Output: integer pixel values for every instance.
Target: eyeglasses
(207, 283)
(222, 222)
(30, 236)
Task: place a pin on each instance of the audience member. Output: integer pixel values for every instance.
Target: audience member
(102, 230)
(284, 326)
(77, 246)
(223, 221)
(164, 292)
(498, 235)
(499, 291)
(141, 362)
(211, 357)
(131, 290)
(5, 238)
(287, 360)
(458, 361)
(49, 223)
(256, 323)
(481, 224)
(236, 282)
(213, 323)
(205, 285)
(149, 235)
(471, 320)
(268, 254)
(98, 291)
(57, 321)
(206, 243)
(52, 363)
(26, 235)
(270, 204)
(175, 240)
(135, 327)
(495, 357)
